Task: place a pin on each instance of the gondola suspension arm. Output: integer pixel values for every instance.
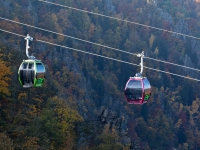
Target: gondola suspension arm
(141, 55)
(28, 38)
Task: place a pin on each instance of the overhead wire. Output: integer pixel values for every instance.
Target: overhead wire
(105, 46)
(171, 63)
(68, 36)
(103, 56)
(132, 22)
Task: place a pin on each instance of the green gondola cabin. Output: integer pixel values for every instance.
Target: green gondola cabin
(31, 73)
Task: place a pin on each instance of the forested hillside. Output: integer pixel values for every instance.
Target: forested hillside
(81, 104)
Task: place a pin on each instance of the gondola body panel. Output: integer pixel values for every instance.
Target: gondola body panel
(147, 89)
(40, 74)
(137, 90)
(31, 73)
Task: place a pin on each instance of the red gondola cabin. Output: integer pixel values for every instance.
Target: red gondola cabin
(137, 90)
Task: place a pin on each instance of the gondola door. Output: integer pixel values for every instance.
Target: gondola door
(134, 91)
(27, 74)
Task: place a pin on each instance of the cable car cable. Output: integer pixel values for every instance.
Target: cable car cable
(172, 63)
(117, 60)
(140, 24)
(13, 33)
(68, 36)
(97, 44)
(104, 56)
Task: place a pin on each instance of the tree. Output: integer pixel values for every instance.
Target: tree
(5, 142)
(181, 135)
(54, 125)
(109, 141)
(31, 143)
(4, 78)
(141, 128)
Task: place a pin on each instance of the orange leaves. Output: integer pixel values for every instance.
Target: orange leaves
(22, 96)
(5, 142)
(31, 143)
(12, 27)
(4, 73)
(91, 30)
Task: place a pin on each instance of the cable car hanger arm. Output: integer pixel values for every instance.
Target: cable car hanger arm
(141, 55)
(28, 38)
(94, 43)
(190, 78)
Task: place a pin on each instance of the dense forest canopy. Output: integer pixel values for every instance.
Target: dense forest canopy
(81, 104)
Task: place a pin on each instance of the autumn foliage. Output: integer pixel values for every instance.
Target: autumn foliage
(78, 84)
(4, 78)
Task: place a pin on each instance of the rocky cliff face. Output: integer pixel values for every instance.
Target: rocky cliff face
(105, 119)
(110, 6)
(180, 26)
(113, 112)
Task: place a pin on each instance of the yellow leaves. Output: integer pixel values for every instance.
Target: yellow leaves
(58, 29)
(156, 51)
(4, 73)
(194, 108)
(5, 142)
(91, 30)
(180, 107)
(12, 27)
(177, 107)
(4, 70)
(31, 143)
(63, 18)
(69, 143)
(110, 141)
(34, 107)
(151, 40)
(191, 121)
(75, 54)
(66, 116)
(179, 122)
(54, 18)
(38, 100)
(22, 96)
(33, 110)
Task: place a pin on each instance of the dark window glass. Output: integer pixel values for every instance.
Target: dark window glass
(30, 66)
(24, 65)
(134, 94)
(134, 90)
